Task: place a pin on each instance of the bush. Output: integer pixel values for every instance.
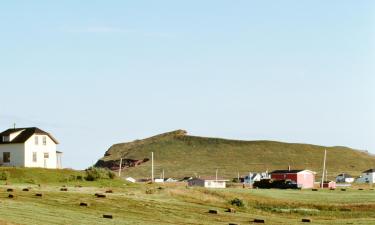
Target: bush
(95, 173)
(4, 175)
(237, 202)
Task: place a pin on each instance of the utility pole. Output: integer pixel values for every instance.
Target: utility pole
(324, 167)
(152, 167)
(238, 176)
(163, 175)
(119, 171)
(216, 173)
(249, 179)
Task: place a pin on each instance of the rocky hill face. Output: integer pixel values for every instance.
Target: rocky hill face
(179, 155)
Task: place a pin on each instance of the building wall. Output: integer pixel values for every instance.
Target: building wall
(214, 184)
(16, 154)
(366, 178)
(303, 179)
(40, 149)
(196, 182)
(306, 180)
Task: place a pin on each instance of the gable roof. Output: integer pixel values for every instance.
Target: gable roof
(291, 171)
(369, 171)
(25, 134)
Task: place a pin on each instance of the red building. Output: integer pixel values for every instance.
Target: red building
(303, 178)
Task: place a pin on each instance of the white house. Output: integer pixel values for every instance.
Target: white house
(29, 147)
(368, 176)
(344, 178)
(207, 182)
(255, 177)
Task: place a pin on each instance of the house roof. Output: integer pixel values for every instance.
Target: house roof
(290, 171)
(211, 178)
(344, 175)
(369, 171)
(25, 134)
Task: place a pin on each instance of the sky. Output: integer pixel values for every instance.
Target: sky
(96, 73)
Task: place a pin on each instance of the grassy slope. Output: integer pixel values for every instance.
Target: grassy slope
(182, 155)
(175, 204)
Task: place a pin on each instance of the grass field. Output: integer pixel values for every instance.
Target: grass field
(176, 204)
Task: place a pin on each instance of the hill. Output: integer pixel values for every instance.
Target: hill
(179, 155)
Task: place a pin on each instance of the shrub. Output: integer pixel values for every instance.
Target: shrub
(95, 173)
(4, 175)
(237, 202)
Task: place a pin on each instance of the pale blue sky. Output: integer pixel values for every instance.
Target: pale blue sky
(102, 72)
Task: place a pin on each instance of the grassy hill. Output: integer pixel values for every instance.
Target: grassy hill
(179, 155)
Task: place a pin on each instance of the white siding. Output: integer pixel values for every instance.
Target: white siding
(16, 154)
(214, 184)
(49, 148)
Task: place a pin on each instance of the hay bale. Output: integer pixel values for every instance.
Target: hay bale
(232, 224)
(258, 221)
(360, 189)
(25, 189)
(230, 210)
(343, 189)
(306, 220)
(39, 195)
(10, 190)
(100, 195)
(63, 189)
(108, 191)
(84, 204)
(213, 211)
(107, 216)
(10, 196)
(314, 189)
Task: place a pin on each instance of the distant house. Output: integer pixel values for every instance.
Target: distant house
(170, 180)
(344, 178)
(29, 147)
(208, 182)
(303, 178)
(368, 176)
(255, 177)
(130, 179)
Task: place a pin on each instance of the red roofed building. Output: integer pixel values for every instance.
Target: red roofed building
(303, 178)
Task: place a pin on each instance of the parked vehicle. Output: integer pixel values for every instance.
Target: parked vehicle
(280, 184)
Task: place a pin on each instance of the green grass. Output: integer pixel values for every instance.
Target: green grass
(183, 155)
(172, 203)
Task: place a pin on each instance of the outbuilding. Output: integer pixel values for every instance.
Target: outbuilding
(303, 178)
(208, 182)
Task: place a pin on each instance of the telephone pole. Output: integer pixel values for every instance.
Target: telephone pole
(119, 171)
(324, 167)
(152, 167)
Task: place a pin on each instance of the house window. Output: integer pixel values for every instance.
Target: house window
(36, 140)
(5, 138)
(44, 140)
(34, 156)
(6, 157)
(46, 155)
